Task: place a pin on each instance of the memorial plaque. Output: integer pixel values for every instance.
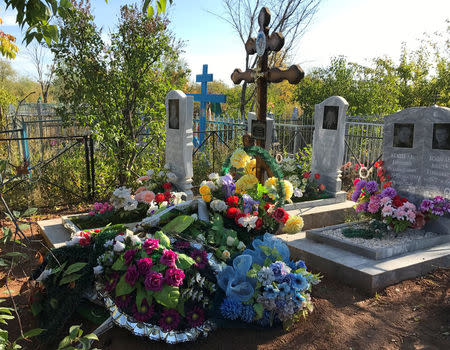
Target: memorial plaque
(441, 136)
(330, 117)
(174, 114)
(258, 130)
(403, 135)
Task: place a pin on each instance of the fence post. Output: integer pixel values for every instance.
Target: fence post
(88, 171)
(41, 130)
(91, 145)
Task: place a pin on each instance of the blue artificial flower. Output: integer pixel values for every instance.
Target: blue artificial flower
(234, 281)
(280, 303)
(265, 276)
(265, 321)
(284, 288)
(299, 281)
(279, 269)
(298, 298)
(247, 313)
(270, 292)
(271, 242)
(295, 265)
(231, 308)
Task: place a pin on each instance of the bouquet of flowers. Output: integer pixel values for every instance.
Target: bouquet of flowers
(168, 285)
(264, 287)
(433, 208)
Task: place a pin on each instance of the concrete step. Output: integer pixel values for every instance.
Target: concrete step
(54, 233)
(326, 215)
(364, 273)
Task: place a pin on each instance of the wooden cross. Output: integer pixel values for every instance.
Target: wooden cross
(262, 45)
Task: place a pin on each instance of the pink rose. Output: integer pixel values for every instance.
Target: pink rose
(153, 281)
(141, 189)
(150, 245)
(132, 275)
(174, 277)
(148, 196)
(168, 258)
(144, 266)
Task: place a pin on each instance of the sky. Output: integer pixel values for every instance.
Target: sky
(357, 29)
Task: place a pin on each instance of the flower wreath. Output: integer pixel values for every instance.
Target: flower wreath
(271, 163)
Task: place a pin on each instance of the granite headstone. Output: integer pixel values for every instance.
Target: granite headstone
(256, 130)
(179, 146)
(329, 142)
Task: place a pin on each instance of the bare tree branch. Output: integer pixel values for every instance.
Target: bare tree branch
(38, 55)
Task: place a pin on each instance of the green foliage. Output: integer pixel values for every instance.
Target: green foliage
(76, 338)
(168, 296)
(178, 224)
(374, 229)
(117, 90)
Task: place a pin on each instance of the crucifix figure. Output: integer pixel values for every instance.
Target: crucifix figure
(262, 45)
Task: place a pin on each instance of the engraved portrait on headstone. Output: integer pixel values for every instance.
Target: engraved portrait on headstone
(403, 135)
(330, 117)
(174, 114)
(441, 136)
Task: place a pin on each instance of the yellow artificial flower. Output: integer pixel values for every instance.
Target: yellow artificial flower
(271, 181)
(207, 198)
(288, 189)
(205, 190)
(293, 225)
(245, 183)
(239, 158)
(250, 168)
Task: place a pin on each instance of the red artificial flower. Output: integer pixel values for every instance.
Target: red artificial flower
(380, 172)
(398, 201)
(322, 187)
(307, 175)
(317, 176)
(388, 177)
(167, 187)
(280, 215)
(159, 198)
(355, 181)
(167, 195)
(258, 224)
(356, 167)
(97, 230)
(382, 178)
(232, 201)
(387, 184)
(238, 216)
(267, 206)
(232, 212)
(378, 164)
(85, 239)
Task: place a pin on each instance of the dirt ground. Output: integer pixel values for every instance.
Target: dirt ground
(414, 314)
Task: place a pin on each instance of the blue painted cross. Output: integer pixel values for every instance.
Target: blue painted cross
(203, 98)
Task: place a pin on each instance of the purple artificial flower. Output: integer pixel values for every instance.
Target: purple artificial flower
(144, 266)
(359, 186)
(200, 257)
(355, 195)
(129, 255)
(150, 244)
(426, 205)
(180, 245)
(439, 211)
(362, 207)
(196, 316)
(174, 277)
(111, 282)
(153, 281)
(169, 320)
(168, 258)
(389, 192)
(438, 199)
(279, 270)
(144, 312)
(123, 301)
(228, 185)
(372, 187)
(249, 202)
(132, 275)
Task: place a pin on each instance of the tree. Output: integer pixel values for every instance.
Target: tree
(290, 17)
(44, 73)
(116, 90)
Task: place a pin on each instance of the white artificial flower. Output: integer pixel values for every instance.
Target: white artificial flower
(130, 204)
(241, 245)
(44, 275)
(171, 177)
(119, 246)
(108, 243)
(298, 193)
(226, 255)
(210, 184)
(75, 240)
(195, 216)
(213, 176)
(178, 197)
(98, 269)
(163, 204)
(119, 238)
(167, 166)
(135, 240)
(230, 241)
(161, 174)
(218, 205)
(248, 221)
(153, 207)
(149, 172)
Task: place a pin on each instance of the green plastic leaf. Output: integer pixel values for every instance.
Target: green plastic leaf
(140, 295)
(184, 262)
(168, 296)
(178, 224)
(119, 265)
(267, 262)
(69, 278)
(163, 239)
(266, 250)
(74, 268)
(259, 310)
(180, 308)
(123, 287)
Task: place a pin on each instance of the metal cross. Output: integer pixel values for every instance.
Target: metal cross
(262, 45)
